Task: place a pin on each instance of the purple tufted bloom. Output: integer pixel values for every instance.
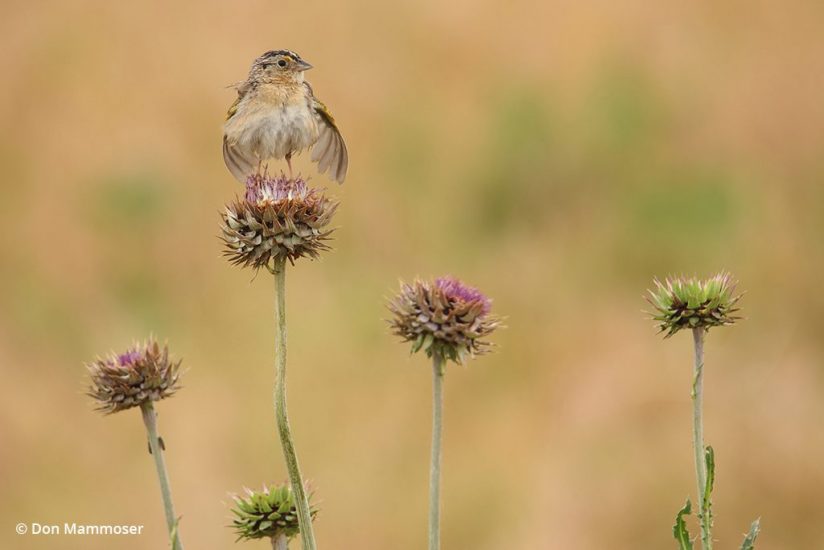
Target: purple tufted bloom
(277, 217)
(444, 317)
(124, 380)
(262, 190)
(129, 358)
(455, 290)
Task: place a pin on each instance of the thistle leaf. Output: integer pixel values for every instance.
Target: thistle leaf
(679, 530)
(709, 458)
(749, 540)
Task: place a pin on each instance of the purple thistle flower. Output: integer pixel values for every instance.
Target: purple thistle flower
(444, 317)
(129, 358)
(262, 190)
(124, 380)
(454, 290)
(276, 218)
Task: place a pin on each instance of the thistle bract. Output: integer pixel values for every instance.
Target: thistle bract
(266, 513)
(142, 373)
(689, 302)
(276, 217)
(443, 316)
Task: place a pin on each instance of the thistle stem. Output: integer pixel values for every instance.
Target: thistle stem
(435, 465)
(698, 435)
(301, 502)
(150, 420)
(280, 542)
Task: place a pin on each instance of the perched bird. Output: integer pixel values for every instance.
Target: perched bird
(276, 115)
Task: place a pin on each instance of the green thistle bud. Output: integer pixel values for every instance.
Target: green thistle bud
(143, 373)
(277, 217)
(267, 514)
(688, 303)
(444, 317)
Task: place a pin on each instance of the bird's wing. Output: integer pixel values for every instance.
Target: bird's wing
(330, 150)
(239, 165)
(242, 89)
(233, 109)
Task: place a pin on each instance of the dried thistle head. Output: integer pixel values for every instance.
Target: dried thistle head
(277, 217)
(443, 316)
(142, 373)
(689, 302)
(267, 513)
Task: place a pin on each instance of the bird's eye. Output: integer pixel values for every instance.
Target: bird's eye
(281, 63)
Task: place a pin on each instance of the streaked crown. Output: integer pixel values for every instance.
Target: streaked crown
(284, 60)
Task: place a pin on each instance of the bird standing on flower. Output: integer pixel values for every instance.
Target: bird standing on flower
(276, 115)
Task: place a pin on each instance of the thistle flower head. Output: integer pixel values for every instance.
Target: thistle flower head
(689, 302)
(277, 217)
(267, 513)
(142, 373)
(443, 316)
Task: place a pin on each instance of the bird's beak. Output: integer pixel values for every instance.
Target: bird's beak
(303, 65)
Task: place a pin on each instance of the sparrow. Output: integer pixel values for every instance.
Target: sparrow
(276, 115)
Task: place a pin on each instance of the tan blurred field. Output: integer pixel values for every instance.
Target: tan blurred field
(558, 155)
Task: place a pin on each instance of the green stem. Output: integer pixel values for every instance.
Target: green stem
(698, 435)
(301, 502)
(435, 465)
(150, 420)
(280, 542)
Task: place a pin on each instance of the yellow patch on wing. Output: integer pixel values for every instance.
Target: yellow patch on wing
(324, 113)
(233, 109)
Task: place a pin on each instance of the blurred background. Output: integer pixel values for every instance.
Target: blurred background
(558, 155)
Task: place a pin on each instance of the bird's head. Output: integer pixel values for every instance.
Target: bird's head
(281, 66)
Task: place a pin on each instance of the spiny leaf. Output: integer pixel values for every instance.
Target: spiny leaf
(749, 540)
(709, 460)
(679, 530)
